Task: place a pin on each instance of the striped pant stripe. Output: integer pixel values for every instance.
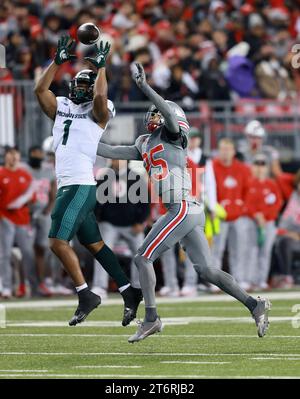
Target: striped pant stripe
(166, 230)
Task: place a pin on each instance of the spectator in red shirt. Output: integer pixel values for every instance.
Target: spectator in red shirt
(263, 202)
(231, 178)
(16, 191)
(288, 241)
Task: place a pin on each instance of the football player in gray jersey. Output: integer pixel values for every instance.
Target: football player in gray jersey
(163, 152)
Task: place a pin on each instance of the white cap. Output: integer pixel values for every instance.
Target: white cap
(255, 128)
(111, 109)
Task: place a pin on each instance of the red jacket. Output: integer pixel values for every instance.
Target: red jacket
(263, 196)
(12, 185)
(231, 186)
(285, 182)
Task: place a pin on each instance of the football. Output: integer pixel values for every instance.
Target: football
(88, 33)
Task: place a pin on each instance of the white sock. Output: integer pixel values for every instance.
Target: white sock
(124, 287)
(81, 287)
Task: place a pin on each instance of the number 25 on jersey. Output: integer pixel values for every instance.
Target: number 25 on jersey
(156, 163)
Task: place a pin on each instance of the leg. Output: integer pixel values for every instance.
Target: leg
(69, 259)
(110, 236)
(24, 239)
(285, 246)
(169, 268)
(237, 245)
(218, 245)
(251, 254)
(264, 258)
(7, 234)
(198, 250)
(72, 206)
(89, 236)
(42, 226)
(134, 242)
(168, 230)
(190, 279)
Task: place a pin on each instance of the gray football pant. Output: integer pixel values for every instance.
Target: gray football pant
(111, 234)
(22, 235)
(258, 258)
(235, 233)
(184, 222)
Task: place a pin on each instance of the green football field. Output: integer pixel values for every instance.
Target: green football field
(208, 337)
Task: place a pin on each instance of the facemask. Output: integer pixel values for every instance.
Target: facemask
(35, 162)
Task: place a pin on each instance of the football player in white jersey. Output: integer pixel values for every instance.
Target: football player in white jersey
(79, 122)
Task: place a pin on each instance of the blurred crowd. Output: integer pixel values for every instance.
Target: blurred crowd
(252, 220)
(200, 49)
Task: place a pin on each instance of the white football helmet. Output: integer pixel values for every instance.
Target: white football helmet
(255, 129)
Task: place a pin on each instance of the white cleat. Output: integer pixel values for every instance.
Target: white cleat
(145, 329)
(260, 315)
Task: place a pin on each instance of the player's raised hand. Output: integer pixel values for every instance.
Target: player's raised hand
(101, 55)
(63, 47)
(139, 76)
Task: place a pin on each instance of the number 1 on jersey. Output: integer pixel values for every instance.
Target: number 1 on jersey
(67, 124)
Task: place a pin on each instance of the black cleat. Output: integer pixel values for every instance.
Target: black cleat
(132, 298)
(88, 301)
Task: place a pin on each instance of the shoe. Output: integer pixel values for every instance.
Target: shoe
(43, 290)
(287, 282)
(214, 289)
(260, 315)
(88, 301)
(245, 285)
(168, 292)
(60, 289)
(6, 293)
(145, 329)
(132, 298)
(189, 291)
(21, 291)
(99, 291)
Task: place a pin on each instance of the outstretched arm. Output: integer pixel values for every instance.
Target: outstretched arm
(171, 122)
(100, 111)
(45, 96)
(118, 152)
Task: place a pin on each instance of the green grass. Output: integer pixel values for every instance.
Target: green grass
(228, 347)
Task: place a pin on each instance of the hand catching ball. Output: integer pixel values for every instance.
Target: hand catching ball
(88, 33)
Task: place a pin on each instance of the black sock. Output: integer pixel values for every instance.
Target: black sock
(251, 303)
(111, 265)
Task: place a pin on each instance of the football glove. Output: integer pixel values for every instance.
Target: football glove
(101, 55)
(140, 76)
(63, 47)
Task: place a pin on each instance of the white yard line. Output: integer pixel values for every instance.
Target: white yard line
(107, 366)
(166, 321)
(191, 362)
(54, 303)
(276, 358)
(253, 336)
(24, 371)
